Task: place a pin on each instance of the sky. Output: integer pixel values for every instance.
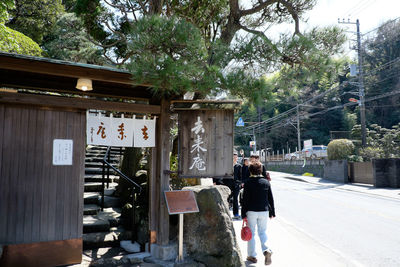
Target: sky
(371, 13)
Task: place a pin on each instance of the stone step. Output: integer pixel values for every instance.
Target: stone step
(93, 187)
(92, 254)
(100, 159)
(103, 221)
(97, 187)
(111, 202)
(97, 171)
(129, 260)
(92, 224)
(103, 152)
(99, 165)
(113, 215)
(91, 147)
(106, 239)
(91, 198)
(91, 209)
(95, 198)
(97, 178)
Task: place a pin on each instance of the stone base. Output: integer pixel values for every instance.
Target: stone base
(165, 253)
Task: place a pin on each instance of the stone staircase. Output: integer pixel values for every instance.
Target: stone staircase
(102, 230)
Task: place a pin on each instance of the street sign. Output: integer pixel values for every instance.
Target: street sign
(308, 143)
(252, 143)
(240, 122)
(353, 100)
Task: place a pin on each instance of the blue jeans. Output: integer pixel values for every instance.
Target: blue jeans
(258, 218)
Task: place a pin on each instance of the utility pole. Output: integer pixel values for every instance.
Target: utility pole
(298, 128)
(361, 92)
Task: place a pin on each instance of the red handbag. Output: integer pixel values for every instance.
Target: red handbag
(246, 231)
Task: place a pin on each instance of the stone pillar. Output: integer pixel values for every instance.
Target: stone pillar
(386, 172)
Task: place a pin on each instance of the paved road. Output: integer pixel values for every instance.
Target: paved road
(360, 229)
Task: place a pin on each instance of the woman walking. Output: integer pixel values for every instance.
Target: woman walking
(258, 206)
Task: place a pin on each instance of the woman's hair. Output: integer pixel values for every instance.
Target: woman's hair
(255, 168)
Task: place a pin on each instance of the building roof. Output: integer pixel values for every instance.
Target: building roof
(28, 72)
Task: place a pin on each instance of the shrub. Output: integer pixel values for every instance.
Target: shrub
(15, 42)
(355, 158)
(370, 153)
(340, 149)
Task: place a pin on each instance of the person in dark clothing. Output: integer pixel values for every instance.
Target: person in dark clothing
(258, 205)
(256, 158)
(235, 186)
(245, 170)
(245, 177)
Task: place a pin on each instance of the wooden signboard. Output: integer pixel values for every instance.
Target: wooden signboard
(206, 143)
(181, 201)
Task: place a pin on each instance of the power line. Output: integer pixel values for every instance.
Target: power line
(383, 106)
(287, 121)
(262, 125)
(352, 104)
(355, 7)
(384, 24)
(361, 8)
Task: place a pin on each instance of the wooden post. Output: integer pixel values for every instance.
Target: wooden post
(154, 203)
(163, 161)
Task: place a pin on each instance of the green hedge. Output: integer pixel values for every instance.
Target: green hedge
(340, 149)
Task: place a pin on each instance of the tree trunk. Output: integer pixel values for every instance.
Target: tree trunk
(156, 7)
(233, 24)
(129, 167)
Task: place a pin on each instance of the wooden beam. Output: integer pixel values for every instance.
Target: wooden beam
(163, 150)
(153, 196)
(45, 82)
(64, 68)
(208, 101)
(76, 103)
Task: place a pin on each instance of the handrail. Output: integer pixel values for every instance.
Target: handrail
(105, 161)
(118, 171)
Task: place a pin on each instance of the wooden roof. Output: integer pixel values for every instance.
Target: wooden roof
(28, 72)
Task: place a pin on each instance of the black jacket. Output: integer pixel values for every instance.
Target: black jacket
(257, 196)
(237, 174)
(245, 173)
(264, 171)
(237, 177)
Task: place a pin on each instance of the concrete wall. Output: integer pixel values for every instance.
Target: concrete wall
(336, 170)
(386, 172)
(315, 167)
(361, 172)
